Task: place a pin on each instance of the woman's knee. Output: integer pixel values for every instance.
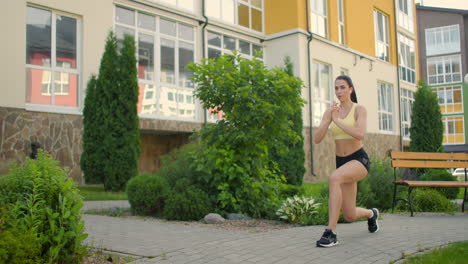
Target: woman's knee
(349, 217)
(335, 178)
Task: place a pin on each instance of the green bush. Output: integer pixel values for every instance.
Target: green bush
(43, 213)
(297, 210)
(431, 201)
(186, 203)
(147, 194)
(19, 248)
(441, 175)
(176, 164)
(376, 190)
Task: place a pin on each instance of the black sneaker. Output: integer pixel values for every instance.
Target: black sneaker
(328, 239)
(372, 223)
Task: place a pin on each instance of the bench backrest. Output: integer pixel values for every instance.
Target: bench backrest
(429, 160)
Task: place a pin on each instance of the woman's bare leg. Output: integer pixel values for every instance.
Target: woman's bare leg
(350, 173)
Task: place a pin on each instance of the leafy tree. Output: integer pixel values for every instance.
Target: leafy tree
(111, 146)
(233, 166)
(427, 129)
(289, 155)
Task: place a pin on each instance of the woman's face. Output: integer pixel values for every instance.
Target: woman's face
(342, 90)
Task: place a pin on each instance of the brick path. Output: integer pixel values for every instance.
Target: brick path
(176, 243)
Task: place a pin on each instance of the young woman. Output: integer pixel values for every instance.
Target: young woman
(347, 122)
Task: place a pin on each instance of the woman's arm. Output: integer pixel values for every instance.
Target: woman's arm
(323, 127)
(359, 131)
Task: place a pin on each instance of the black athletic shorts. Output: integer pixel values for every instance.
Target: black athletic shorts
(359, 155)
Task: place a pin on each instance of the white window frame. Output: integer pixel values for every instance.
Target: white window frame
(237, 48)
(407, 100)
(441, 63)
(446, 121)
(405, 16)
(384, 32)
(341, 22)
(156, 85)
(407, 60)
(321, 101)
(219, 16)
(53, 69)
(317, 15)
(386, 107)
(446, 92)
(442, 40)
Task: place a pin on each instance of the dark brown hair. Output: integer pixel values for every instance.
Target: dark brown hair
(350, 84)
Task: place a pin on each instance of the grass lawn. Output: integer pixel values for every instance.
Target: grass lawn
(97, 193)
(313, 189)
(456, 253)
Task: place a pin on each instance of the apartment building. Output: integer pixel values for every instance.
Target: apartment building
(54, 46)
(443, 59)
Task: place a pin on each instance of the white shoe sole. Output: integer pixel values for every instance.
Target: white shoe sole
(376, 221)
(328, 245)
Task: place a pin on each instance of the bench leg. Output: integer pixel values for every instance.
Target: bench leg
(410, 201)
(463, 202)
(394, 197)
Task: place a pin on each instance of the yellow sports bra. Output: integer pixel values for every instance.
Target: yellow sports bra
(349, 120)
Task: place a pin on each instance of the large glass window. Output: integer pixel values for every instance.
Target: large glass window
(454, 130)
(405, 14)
(442, 40)
(341, 22)
(407, 100)
(386, 107)
(319, 15)
(52, 70)
(407, 59)
(246, 13)
(446, 69)
(450, 98)
(165, 48)
(322, 90)
(219, 44)
(382, 42)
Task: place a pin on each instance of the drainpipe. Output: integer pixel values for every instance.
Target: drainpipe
(398, 75)
(309, 72)
(205, 23)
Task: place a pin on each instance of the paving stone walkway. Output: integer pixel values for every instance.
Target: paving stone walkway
(175, 243)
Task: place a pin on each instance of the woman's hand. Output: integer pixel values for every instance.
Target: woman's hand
(335, 111)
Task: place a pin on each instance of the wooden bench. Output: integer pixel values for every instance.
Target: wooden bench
(428, 160)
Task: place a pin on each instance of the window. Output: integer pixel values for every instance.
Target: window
(341, 22)
(319, 15)
(442, 40)
(407, 100)
(52, 66)
(184, 4)
(385, 94)
(405, 14)
(454, 130)
(407, 59)
(246, 13)
(165, 48)
(450, 99)
(322, 90)
(382, 43)
(221, 44)
(441, 70)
